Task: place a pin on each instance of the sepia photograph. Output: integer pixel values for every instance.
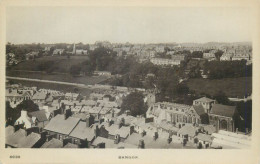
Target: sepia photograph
(128, 77)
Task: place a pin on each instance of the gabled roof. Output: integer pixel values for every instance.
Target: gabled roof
(59, 125)
(13, 93)
(204, 99)
(70, 145)
(15, 138)
(108, 142)
(39, 96)
(40, 115)
(30, 140)
(204, 137)
(53, 143)
(83, 132)
(223, 110)
(188, 129)
(209, 128)
(9, 130)
(199, 109)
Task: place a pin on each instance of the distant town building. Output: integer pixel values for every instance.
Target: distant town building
(165, 62)
(226, 57)
(209, 56)
(31, 55)
(58, 52)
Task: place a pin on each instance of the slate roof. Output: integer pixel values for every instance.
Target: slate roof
(40, 115)
(81, 131)
(76, 108)
(204, 137)
(160, 143)
(199, 109)
(15, 138)
(105, 110)
(223, 110)
(204, 99)
(9, 130)
(209, 128)
(110, 143)
(60, 125)
(168, 126)
(86, 109)
(188, 129)
(82, 116)
(70, 145)
(39, 96)
(13, 93)
(53, 143)
(30, 140)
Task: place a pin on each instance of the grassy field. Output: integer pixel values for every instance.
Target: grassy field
(232, 87)
(58, 77)
(62, 62)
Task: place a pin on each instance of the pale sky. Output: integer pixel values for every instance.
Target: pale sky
(127, 24)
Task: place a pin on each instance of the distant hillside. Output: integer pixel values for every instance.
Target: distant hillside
(212, 44)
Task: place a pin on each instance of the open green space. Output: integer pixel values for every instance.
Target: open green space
(62, 63)
(232, 87)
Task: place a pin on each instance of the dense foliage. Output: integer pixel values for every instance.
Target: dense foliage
(134, 102)
(12, 114)
(227, 69)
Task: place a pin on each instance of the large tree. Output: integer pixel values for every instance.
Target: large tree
(12, 114)
(134, 102)
(27, 105)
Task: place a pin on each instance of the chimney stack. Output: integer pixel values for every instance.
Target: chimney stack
(113, 114)
(169, 140)
(96, 131)
(141, 144)
(43, 135)
(65, 141)
(16, 127)
(155, 136)
(101, 120)
(110, 123)
(89, 120)
(131, 130)
(143, 133)
(117, 139)
(67, 113)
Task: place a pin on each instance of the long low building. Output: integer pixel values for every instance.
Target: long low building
(230, 140)
(165, 62)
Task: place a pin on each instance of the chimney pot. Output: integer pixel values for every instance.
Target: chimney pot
(155, 135)
(141, 144)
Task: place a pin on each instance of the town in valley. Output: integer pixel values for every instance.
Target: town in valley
(129, 95)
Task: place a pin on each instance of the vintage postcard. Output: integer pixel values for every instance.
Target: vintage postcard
(129, 82)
